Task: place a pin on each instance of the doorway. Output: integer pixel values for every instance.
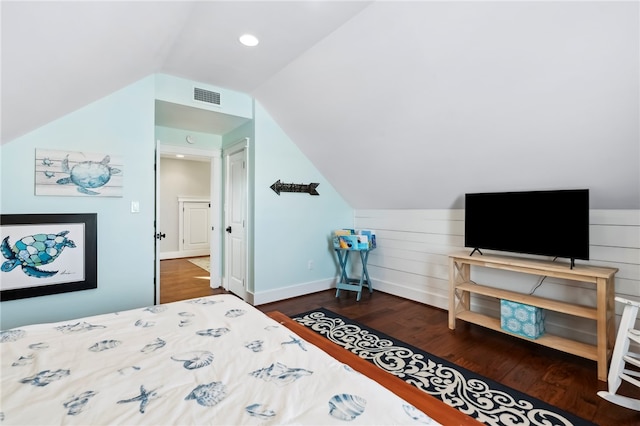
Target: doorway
(209, 213)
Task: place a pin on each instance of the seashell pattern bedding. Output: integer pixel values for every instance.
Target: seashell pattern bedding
(213, 360)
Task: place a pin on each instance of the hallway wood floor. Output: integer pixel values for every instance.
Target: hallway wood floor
(181, 279)
(560, 379)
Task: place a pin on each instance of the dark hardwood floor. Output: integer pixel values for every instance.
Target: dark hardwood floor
(560, 379)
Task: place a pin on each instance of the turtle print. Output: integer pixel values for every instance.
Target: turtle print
(33, 251)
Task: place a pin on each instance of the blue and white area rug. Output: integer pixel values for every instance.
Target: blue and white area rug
(483, 399)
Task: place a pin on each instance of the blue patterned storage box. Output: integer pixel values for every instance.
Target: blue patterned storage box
(346, 242)
(521, 319)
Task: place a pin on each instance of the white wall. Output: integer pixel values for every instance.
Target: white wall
(438, 98)
(412, 261)
(177, 137)
(179, 178)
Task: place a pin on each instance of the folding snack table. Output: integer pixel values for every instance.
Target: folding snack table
(353, 284)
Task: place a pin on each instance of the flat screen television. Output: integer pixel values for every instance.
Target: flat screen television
(548, 223)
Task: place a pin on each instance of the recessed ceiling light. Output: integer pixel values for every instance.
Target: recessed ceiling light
(249, 40)
(179, 155)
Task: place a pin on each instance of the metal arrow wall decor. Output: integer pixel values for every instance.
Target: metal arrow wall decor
(279, 187)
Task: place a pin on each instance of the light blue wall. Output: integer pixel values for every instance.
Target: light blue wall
(120, 124)
(180, 91)
(291, 229)
(178, 137)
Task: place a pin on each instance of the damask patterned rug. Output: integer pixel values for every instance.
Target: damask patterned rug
(479, 397)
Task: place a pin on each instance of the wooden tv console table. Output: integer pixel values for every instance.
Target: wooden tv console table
(461, 287)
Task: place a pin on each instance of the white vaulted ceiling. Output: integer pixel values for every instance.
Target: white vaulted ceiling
(58, 56)
(432, 98)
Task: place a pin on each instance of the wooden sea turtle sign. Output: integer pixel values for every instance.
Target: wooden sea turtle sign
(73, 173)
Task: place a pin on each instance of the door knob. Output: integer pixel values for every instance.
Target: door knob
(228, 229)
(160, 235)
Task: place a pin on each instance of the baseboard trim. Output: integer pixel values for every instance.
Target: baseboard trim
(276, 295)
(422, 296)
(182, 254)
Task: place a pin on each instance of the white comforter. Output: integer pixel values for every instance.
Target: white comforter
(214, 360)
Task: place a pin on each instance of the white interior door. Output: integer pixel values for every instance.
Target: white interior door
(196, 226)
(215, 210)
(235, 215)
(156, 230)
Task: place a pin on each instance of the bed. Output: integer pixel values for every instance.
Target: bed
(212, 360)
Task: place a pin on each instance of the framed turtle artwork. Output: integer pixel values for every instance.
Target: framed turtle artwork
(82, 174)
(45, 254)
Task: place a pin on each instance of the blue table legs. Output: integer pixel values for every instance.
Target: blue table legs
(353, 284)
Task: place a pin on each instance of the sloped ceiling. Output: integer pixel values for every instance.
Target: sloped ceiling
(398, 104)
(59, 56)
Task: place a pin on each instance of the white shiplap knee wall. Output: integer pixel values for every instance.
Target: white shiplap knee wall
(411, 261)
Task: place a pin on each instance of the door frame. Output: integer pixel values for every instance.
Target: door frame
(235, 147)
(215, 186)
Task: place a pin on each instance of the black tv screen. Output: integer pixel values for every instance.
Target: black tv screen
(548, 223)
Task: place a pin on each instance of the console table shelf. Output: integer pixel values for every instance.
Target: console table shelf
(580, 349)
(549, 304)
(461, 287)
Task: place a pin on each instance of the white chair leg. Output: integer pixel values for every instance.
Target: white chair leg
(623, 401)
(621, 346)
(621, 356)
